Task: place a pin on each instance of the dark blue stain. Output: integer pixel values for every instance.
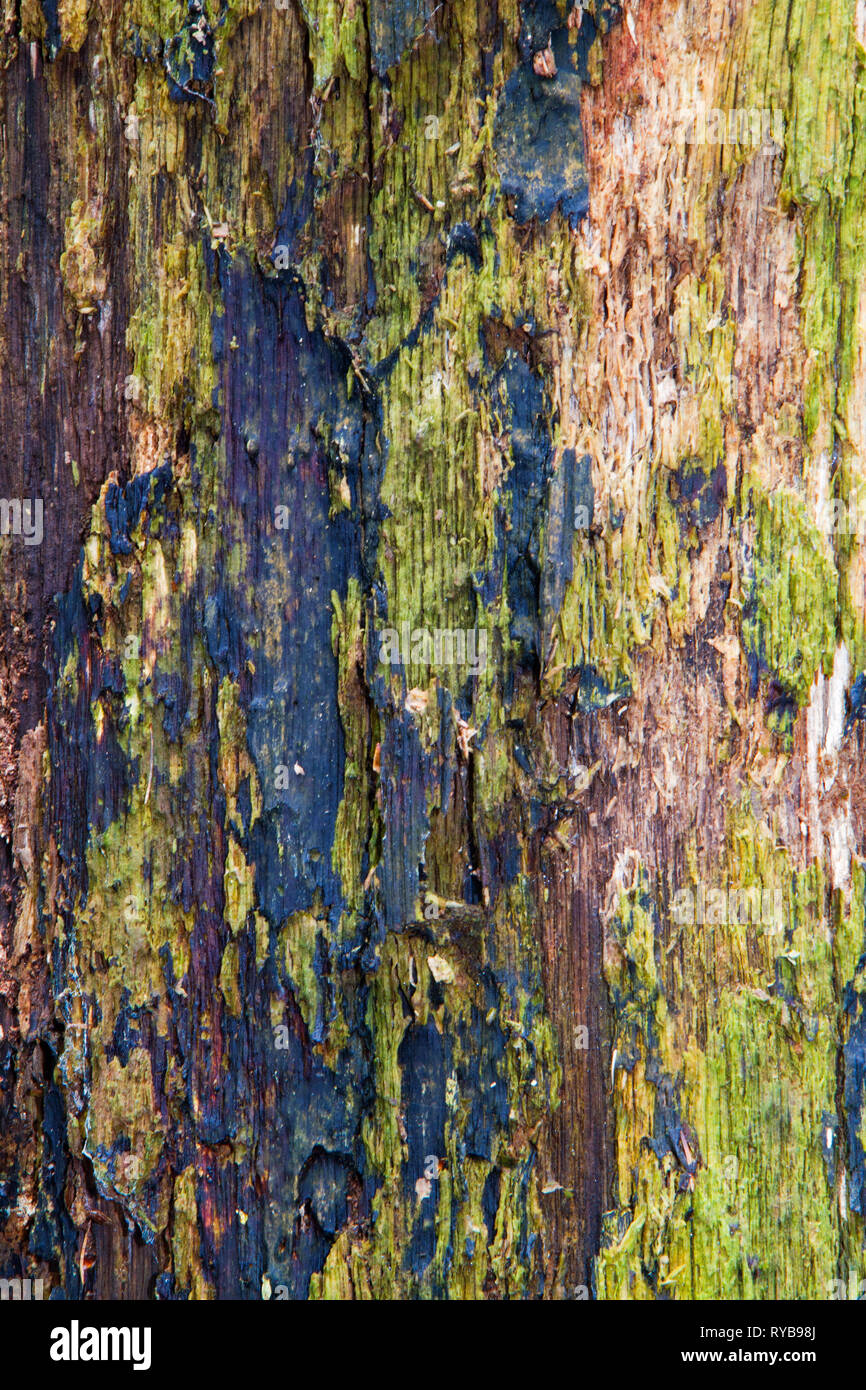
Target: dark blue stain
(538, 142)
(394, 27)
(525, 487)
(324, 1185)
(223, 638)
(508, 856)
(583, 493)
(411, 779)
(701, 494)
(405, 773)
(53, 1234)
(854, 1055)
(541, 23)
(146, 48)
(490, 1202)
(537, 134)
(856, 702)
(189, 56)
(483, 1084)
(594, 693)
(424, 1059)
(298, 206)
(126, 1036)
(463, 240)
(167, 1291)
(171, 690)
(109, 678)
(669, 1127)
(124, 505)
(53, 40)
(313, 1135)
(244, 804)
(109, 778)
(570, 509)
(309, 1253)
(287, 388)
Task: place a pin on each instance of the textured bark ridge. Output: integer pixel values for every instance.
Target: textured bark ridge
(448, 618)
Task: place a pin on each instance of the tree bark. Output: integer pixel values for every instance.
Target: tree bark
(431, 808)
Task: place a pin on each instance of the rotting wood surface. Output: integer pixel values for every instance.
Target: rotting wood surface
(431, 816)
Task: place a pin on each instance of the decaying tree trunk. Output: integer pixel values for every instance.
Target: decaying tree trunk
(433, 648)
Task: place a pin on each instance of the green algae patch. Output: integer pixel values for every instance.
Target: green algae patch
(606, 613)
(631, 566)
(832, 280)
(762, 1086)
(464, 1048)
(791, 589)
(298, 946)
(169, 335)
(72, 16)
(806, 62)
(337, 36)
(706, 338)
(723, 1091)
(186, 1251)
(802, 60)
(123, 1144)
(636, 1242)
(84, 275)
